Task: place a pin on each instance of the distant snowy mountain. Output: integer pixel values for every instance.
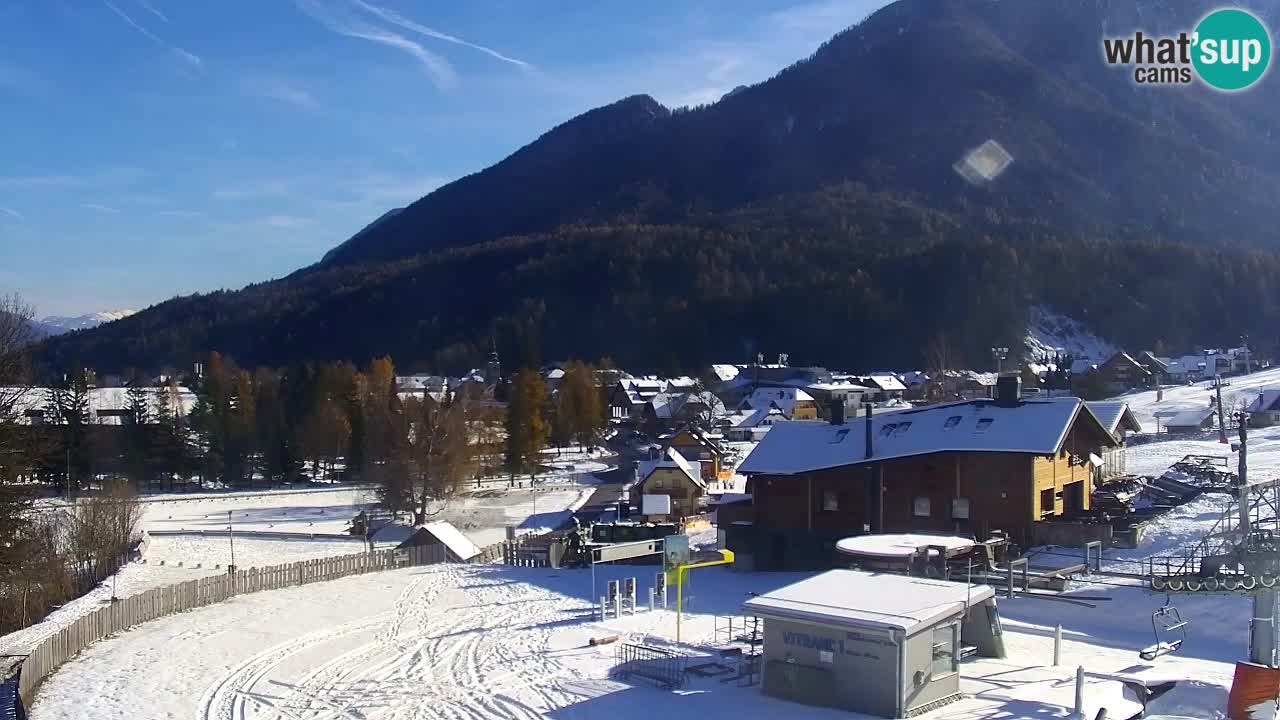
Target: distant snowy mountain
(58, 324)
(1049, 333)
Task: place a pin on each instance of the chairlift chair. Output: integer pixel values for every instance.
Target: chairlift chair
(1170, 632)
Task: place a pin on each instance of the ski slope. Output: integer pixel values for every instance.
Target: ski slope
(488, 641)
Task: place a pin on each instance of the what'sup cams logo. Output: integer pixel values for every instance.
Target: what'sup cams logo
(1229, 50)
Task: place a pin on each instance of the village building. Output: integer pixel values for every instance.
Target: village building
(676, 478)
(700, 448)
(874, 643)
(885, 387)
(667, 410)
(750, 425)
(1122, 373)
(970, 467)
(794, 403)
(1264, 410)
(1118, 418)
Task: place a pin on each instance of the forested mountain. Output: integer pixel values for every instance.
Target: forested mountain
(817, 213)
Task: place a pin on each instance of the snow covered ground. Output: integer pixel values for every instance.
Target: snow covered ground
(491, 641)
(169, 559)
(1154, 458)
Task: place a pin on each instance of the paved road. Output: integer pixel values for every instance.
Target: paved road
(600, 506)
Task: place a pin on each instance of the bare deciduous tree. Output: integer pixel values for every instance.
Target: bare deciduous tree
(441, 449)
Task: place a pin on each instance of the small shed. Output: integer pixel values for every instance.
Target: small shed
(458, 547)
(1191, 421)
(882, 644)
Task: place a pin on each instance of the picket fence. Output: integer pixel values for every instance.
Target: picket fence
(171, 599)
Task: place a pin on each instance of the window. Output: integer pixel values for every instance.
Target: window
(983, 425)
(944, 650)
(960, 509)
(830, 501)
(920, 507)
(951, 422)
(1046, 502)
(657, 483)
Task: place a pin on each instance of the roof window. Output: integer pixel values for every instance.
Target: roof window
(952, 421)
(984, 424)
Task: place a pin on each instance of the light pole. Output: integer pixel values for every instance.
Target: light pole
(231, 536)
(1244, 345)
(999, 353)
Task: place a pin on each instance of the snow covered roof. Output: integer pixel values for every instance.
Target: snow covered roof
(887, 383)
(667, 405)
(105, 404)
(555, 374)
(878, 601)
(1191, 418)
(751, 418)
(673, 459)
(725, 372)
(1032, 426)
(783, 398)
(898, 545)
(1111, 413)
(450, 537)
(1266, 401)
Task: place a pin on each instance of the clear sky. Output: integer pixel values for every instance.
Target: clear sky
(150, 148)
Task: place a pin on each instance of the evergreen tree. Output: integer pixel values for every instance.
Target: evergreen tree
(68, 404)
(137, 430)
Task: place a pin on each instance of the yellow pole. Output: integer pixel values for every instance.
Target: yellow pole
(679, 599)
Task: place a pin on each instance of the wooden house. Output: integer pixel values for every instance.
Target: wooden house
(968, 468)
(1118, 418)
(674, 476)
(1264, 410)
(1121, 372)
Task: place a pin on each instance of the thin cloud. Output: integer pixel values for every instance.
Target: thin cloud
(110, 176)
(282, 91)
(185, 214)
(285, 222)
(397, 19)
(13, 213)
(100, 208)
(187, 56)
(152, 9)
(440, 70)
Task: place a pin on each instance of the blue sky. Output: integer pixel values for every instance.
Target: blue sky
(150, 148)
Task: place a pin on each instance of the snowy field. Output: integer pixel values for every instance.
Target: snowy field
(500, 642)
(169, 559)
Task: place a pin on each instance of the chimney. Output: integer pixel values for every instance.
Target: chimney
(837, 411)
(1008, 390)
(868, 407)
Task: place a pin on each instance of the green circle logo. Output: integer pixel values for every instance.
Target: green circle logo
(1232, 49)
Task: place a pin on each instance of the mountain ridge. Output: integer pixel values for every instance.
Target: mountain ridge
(833, 182)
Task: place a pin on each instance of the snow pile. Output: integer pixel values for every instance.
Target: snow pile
(1048, 333)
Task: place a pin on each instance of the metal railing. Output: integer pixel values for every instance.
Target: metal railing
(665, 668)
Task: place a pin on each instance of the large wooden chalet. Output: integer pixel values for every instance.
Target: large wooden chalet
(968, 468)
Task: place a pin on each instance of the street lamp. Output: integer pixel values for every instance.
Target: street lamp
(999, 353)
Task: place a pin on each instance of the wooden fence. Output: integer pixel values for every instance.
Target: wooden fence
(159, 602)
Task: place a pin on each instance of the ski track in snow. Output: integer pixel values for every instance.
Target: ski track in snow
(435, 647)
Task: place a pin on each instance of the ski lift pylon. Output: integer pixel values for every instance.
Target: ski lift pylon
(1170, 632)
